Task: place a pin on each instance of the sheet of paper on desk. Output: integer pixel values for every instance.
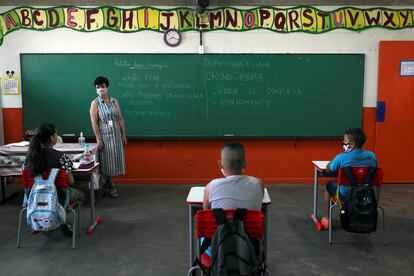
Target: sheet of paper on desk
(321, 164)
(19, 144)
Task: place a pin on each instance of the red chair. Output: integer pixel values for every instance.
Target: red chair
(206, 227)
(61, 182)
(359, 173)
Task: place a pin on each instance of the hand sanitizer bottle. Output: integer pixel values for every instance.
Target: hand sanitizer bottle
(87, 156)
(81, 140)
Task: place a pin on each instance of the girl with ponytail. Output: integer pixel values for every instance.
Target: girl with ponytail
(43, 156)
(44, 137)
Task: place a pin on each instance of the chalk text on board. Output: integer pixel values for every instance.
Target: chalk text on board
(284, 91)
(225, 91)
(236, 76)
(255, 103)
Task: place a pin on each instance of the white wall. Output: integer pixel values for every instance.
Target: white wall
(1, 125)
(260, 41)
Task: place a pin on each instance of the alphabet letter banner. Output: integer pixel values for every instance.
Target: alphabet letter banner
(297, 19)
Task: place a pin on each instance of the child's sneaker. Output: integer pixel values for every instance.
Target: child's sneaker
(67, 232)
(325, 223)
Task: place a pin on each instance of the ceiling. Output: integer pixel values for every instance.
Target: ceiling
(212, 3)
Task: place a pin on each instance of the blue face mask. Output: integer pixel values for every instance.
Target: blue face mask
(347, 147)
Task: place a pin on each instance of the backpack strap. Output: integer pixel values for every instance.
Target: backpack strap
(37, 179)
(240, 214)
(338, 199)
(52, 175)
(197, 263)
(370, 175)
(350, 176)
(219, 215)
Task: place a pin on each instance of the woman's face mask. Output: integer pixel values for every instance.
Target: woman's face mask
(102, 91)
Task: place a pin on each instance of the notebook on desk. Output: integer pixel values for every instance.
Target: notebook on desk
(19, 144)
(321, 164)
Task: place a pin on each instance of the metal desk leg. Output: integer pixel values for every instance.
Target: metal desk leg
(191, 233)
(97, 220)
(265, 234)
(3, 189)
(4, 198)
(314, 214)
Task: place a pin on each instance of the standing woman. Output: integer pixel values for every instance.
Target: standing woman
(109, 128)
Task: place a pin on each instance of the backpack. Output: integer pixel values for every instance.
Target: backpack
(44, 212)
(232, 251)
(359, 213)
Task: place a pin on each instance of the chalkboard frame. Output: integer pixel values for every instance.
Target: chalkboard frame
(214, 137)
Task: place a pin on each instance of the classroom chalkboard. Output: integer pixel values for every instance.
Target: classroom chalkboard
(199, 96)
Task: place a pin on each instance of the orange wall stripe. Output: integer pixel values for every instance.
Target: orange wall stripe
(13, 124)
(196, 162)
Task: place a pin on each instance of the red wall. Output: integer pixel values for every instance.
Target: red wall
(172, 162)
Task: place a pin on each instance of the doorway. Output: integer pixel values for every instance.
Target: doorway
(394, 143)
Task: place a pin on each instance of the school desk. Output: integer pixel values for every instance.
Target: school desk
(94, 220)
(12, 158)
(13, 155)
(195, 203)
(319, 171)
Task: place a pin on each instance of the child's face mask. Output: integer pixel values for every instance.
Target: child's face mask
(347, 147)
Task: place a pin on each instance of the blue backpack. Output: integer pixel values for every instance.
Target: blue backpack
(44, 212)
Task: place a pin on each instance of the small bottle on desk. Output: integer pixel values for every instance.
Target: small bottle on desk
(87, 156)
(81, 140)
(87, 159)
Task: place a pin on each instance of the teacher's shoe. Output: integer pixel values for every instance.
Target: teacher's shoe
(112, 192)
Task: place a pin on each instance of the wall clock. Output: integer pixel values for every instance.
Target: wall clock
(172, 37)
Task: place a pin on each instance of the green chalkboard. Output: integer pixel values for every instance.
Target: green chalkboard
(199, 96)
